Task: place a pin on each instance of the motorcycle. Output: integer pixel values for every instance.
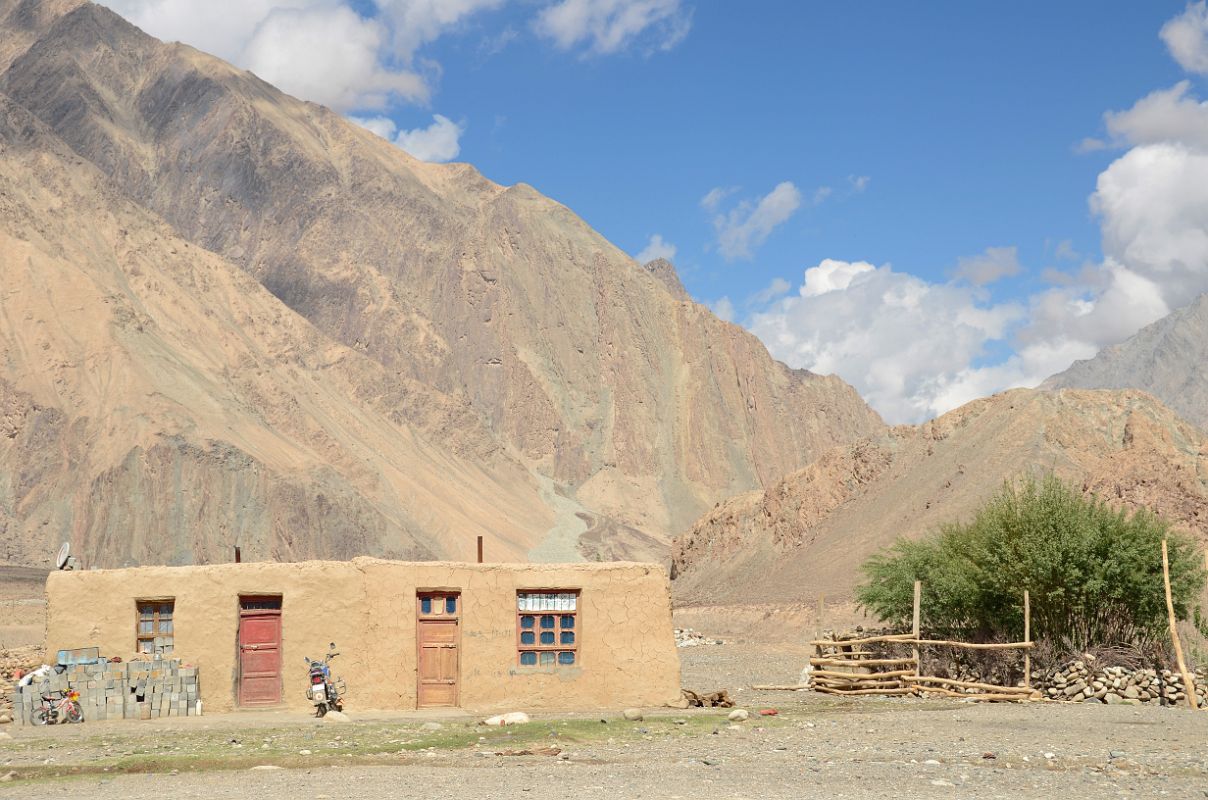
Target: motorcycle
(58, 707)
(325, 692)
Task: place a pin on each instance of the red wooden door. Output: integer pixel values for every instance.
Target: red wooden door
(259, 651)
(437, 659)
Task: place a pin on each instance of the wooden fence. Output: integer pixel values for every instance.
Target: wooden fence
(848, 667)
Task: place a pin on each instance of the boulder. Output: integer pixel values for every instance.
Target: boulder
(738, 715)
(1074, 689)
(632, 714)
(510, 718)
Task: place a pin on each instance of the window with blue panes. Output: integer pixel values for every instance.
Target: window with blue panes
(547, 628)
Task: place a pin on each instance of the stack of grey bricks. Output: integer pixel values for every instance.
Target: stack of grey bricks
(130, 690)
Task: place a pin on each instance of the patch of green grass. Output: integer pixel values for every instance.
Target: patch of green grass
(359, 743)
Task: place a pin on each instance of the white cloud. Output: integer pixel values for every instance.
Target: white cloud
(821, 193)
(330, 56)
(748, 225)
(858, 183)
(901, 341)
(833, 276)
(1167, 115)
(220, 27)
(440, 141)
(417, 22)
(318, 50)
(657, 247)
(1186, 37)
(1152, 203)
(382, 126)
(1090, 144)
(777, 288)
(723, 308)
(714, 197)
(992, 265)
(607, 26)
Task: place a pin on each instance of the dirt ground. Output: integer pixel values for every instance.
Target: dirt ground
(814, 747)
(22, 606)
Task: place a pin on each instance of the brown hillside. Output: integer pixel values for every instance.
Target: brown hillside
(810, 532)
(515, 367)
(158, 405)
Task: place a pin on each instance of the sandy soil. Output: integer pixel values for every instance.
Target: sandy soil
(815, 746)
(22, 606)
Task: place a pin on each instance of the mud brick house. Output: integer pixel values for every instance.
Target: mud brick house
(410, 635)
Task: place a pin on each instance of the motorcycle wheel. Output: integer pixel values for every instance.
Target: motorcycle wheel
(321, 710)
(74, 714)
(40, 717)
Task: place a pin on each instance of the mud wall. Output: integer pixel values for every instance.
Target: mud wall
(626, 647)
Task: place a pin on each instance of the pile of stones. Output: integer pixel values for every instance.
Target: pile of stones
(14, 662)
(1084, 681)
(686, 637)
(108, 690)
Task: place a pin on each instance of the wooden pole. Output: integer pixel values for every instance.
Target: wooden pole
(968, 684)
(1188, 681)
(906, 638)
(479, 549)
(918, 596)
(818, 624)
(1027, 637)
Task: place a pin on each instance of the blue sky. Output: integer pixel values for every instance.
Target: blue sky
(891, 140)
(964, 118)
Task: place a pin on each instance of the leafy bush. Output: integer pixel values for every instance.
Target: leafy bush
(1094, 573)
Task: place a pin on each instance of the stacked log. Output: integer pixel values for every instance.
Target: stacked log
(861, 666)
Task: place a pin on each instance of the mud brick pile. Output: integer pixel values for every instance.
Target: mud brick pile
(130, 690)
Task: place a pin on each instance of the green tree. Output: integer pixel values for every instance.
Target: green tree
(1094, 573)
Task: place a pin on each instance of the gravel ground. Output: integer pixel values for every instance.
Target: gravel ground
(815, 747)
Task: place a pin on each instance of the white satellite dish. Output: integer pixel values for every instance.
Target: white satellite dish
(64, 554)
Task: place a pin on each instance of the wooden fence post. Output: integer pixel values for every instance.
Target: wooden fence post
(1027, 637)
(1188, 681)
(918, 594)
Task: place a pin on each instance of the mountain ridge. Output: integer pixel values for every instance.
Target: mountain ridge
(488, 323)
(811, 531)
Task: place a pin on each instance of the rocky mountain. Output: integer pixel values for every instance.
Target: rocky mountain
(227, 315)
(810, 532)
(1168, 358)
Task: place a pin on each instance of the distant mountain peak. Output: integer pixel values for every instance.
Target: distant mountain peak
(1168, 358)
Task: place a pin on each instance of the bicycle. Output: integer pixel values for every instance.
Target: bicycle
(64, 706)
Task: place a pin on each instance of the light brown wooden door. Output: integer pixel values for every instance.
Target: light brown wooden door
(438, 660)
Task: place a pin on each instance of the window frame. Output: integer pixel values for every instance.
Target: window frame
(445, 595)
(157, 620)
(558, 647)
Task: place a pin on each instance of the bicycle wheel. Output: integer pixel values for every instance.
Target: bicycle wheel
(74, 714)
(40, 717)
